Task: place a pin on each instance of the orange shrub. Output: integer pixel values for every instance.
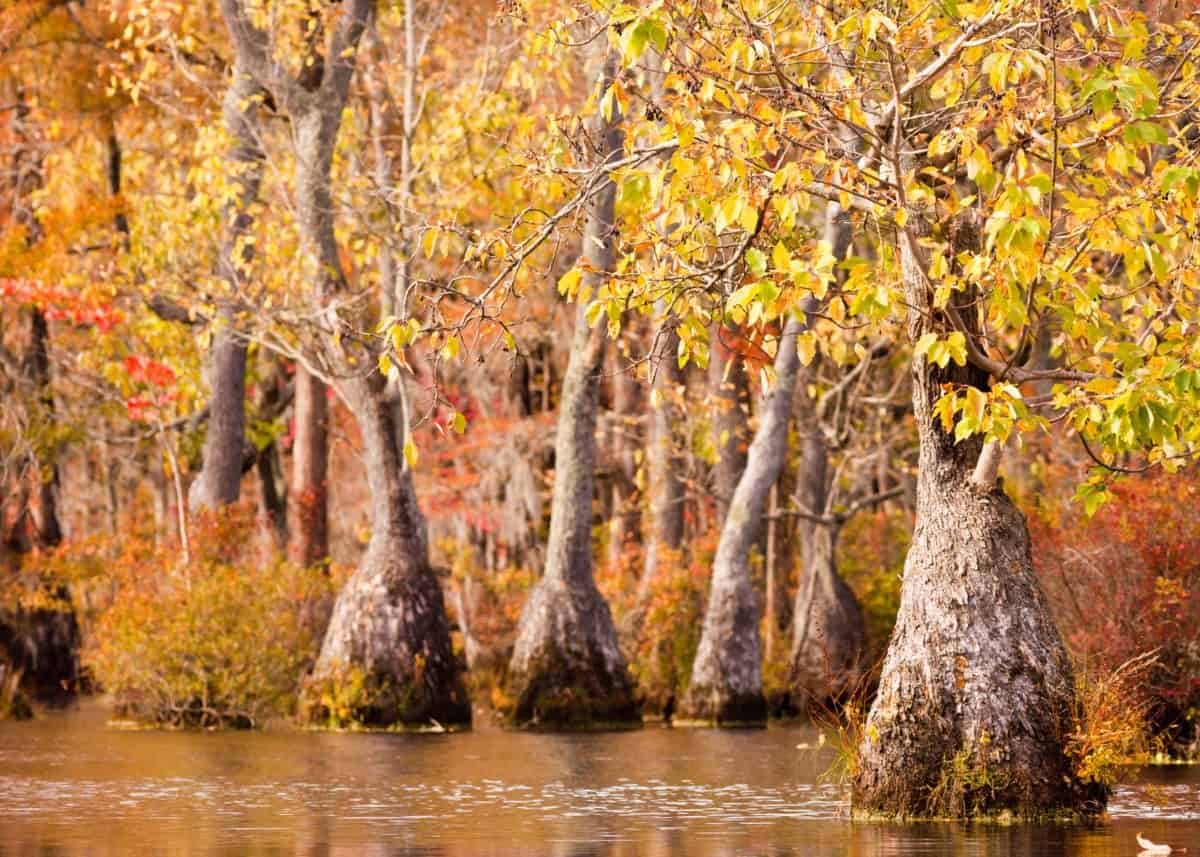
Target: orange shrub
(221, 640)
(1127, 582)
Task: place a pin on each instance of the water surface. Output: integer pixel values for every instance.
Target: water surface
(70, 787)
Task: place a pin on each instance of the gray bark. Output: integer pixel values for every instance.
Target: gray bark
(975, 697)
(567, 668)
(828, 630)
(220, 478)
(726, 683)
(731, 415)
(664, 464)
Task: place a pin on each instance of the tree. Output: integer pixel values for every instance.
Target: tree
(220, 478)
(388, 636)
(1003, 171)
(566, 666)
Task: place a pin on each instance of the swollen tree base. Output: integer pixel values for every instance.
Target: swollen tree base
(975, 699)
(387, 659)
(567, 671)
(826, 665)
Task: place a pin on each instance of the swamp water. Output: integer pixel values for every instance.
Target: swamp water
(69, 787)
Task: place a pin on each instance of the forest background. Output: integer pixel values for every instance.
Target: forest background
(260, 341)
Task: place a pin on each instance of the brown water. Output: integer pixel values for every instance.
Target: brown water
(69, 786)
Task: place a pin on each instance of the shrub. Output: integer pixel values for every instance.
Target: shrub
(667, 633)
(223, 639)
(870, 554)
(1127, 582)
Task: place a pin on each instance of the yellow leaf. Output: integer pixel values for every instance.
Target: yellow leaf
(781, 259)
(568, 282)
(410, 452)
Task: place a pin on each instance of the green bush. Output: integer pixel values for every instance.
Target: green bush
(223, 639)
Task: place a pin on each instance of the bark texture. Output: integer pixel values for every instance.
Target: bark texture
(309, 506)
(665, 464)
(726, 684)
(220, 478)
(567, 668)
(828, 630)
(975, 697)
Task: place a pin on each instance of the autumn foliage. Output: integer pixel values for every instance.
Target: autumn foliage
(1126, 583)
(220, 639)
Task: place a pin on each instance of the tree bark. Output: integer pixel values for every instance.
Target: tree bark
(220, 478)
(975, 698)
(309, 506)
(726, 686)
(828, 629)
(664, 465)
(731, 414)
(625, 441)
(567, 668)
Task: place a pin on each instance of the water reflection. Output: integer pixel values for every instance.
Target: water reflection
(70, 787)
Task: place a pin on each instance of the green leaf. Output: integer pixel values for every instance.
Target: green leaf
(756, 261)
(1145, 134)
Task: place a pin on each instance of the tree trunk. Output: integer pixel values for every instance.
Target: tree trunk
(731, 414)
(626, 405)
(220, 478)
(273, 501)
(309, 504)
(975, 697)
(726, 685)
(828, 629)
(49, 527)
(387, 651)
(665, 465)
(567, 668)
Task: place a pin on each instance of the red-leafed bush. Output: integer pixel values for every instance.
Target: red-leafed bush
(1127, 582)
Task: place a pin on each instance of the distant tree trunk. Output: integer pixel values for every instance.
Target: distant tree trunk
(665, 464)
(220, 478)
(624, 444)
(49, 527)
(975, 697)
(566, 666)
(309, 505)
(726, 685)
(273, 501)
(828, 629)
(731, 414)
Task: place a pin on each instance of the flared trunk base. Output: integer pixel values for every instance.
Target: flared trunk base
(828, 651)
(706, 706)
(387, 659)
(975, 701)
(567, 671)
